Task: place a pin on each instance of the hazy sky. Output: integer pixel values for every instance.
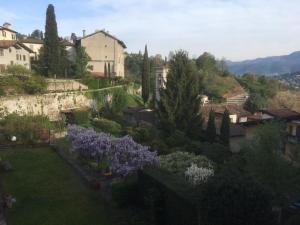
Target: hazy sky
(234, 29)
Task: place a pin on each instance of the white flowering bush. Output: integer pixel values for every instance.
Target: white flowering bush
(178, 162)
(198, 175)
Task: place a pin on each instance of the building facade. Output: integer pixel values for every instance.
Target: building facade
(12, 52)
(6, 33)
(161, 74)
(35, 45)
(104, 49)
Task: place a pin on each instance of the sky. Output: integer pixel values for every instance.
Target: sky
(233, 29)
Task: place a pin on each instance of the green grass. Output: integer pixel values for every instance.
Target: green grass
(48, 192)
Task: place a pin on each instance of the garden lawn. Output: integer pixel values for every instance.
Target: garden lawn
(48, 192)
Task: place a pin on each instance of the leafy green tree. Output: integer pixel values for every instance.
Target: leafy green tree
(211, 127)
(146, 77)
(74, 38)
(225, 128)
(81, 63)
(206, 62)
(133, 66)
(51, 49)
(255, 103)
(231, 198)
(38, 34)
(266, 162)
(179, 106)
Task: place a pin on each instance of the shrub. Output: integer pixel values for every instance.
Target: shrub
(125, 191)
(231, 198)
(81, 117)
(17, 70)
(178, 162)
(27, 128)
(107, 126)
(176, 139)
(119, 100)
(197, 175)
(123, 155)
(35, 84)
(215, 152)
(2, 92)
(144, 134)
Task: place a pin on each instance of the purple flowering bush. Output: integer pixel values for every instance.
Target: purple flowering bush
(128, 156)
(123, 155)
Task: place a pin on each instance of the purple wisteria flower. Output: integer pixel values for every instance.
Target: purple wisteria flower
(123, 155)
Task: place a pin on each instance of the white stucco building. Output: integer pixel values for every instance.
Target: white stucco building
(11, 50)
(161, 74)
(35, 45)
(6, 33)
(103, 48)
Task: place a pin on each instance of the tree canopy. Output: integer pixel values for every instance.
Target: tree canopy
(179, 106)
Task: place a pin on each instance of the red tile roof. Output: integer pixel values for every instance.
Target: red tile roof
(16, 44)
(4, 28)
(283, 113)
(220, 108)
(107, 34)
(32, 41)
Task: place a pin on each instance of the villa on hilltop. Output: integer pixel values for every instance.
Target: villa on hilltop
(104, 49)
(12, 51)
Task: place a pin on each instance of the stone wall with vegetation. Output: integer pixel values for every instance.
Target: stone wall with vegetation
(46, 104)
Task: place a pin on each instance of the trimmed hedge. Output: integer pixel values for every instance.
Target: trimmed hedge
(107, 126)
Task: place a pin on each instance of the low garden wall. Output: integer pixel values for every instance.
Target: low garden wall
(51, 104)
(169, 200)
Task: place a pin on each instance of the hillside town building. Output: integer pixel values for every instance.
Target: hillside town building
(12, 52)
(104, 49)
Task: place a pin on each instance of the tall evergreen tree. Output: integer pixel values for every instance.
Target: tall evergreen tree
(105, 70)
(108, 70)
(146, 77)
(179, 105)
(225, 128)
(211, 127)
(51, 51)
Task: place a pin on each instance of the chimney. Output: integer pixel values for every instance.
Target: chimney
(83, 33)
(7, 25)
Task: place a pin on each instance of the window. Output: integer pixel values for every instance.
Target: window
(17, 56)
(91, 67)
(106, 56)
(105, 46)
(9, 50)
(24, 57)
(11, 62)
(3, 33)
(1, 52)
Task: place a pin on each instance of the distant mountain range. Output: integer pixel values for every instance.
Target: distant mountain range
(274, 65)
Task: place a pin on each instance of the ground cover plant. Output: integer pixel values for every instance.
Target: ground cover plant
(48, 192)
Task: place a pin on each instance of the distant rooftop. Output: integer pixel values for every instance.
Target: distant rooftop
(107, 34)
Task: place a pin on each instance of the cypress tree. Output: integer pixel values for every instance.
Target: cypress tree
(225, 128)
(179, 105)
(146, 77)
(51, 50)
(105, 70)
(211, 127)
(108, 70)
